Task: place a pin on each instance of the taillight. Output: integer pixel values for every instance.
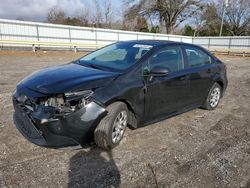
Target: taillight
(225, 67)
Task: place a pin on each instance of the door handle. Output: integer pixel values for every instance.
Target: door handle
(209, 71)
(186, 77)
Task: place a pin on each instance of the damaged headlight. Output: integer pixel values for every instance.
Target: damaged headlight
(78, 99)
(78, 95)
(68, 102)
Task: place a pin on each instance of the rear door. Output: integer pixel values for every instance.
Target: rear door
(200, 73)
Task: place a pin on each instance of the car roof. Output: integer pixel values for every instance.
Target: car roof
(152, 42)
(156, 43)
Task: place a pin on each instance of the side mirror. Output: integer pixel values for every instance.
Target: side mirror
(159, 71)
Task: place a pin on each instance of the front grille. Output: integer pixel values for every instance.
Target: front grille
(25, 125)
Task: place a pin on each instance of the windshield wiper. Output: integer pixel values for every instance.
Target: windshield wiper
(88, 64)
(94, 66)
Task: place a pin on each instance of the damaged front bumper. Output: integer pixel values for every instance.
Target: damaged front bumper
(44, 129)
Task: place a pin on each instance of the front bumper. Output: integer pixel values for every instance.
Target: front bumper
(66, 131)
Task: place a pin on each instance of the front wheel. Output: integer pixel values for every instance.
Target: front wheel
(213, 97)
(112, 127)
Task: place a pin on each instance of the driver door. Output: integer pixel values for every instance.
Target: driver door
(165, 94)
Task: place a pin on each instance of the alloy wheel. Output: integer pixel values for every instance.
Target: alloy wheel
(119, 126)
(215, 97)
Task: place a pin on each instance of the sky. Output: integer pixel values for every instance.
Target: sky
(36, 10)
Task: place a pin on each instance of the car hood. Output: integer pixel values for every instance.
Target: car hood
(68, 77)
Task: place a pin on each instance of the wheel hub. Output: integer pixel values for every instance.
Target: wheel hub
(215, 97)
(119, 126)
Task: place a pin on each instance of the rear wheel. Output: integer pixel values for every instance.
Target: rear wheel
(213, 97)
(111, 129)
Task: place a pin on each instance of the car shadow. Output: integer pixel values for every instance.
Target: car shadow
(94, 168)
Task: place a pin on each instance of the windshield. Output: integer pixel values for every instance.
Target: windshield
(115, 57)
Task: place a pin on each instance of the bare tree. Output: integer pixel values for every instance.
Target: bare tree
(98, 16)
(84, 16)
(101, 16)
(198, 23)
(131, 16)
(108, 13)
(56, 16)
(211, 21)
(173, 12)
(129, 22)
(237, 17)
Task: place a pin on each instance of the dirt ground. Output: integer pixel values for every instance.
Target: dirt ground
(196, 149)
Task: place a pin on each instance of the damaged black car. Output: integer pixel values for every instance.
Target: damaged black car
(132, 83)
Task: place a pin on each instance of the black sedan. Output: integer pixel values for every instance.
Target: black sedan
(132, 83)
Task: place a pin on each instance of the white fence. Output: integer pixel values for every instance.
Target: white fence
(12, 31)
(224, 43)
(31, 31)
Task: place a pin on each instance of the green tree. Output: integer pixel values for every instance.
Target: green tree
(154, 29)
(188, 30)
(142, 25)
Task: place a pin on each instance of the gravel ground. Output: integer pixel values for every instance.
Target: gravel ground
(196, 149)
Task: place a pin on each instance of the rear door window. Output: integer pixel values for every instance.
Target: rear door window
(196, 57)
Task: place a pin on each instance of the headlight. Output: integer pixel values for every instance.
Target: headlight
(78, 95)
(56, 101)
(69, 102)
(78, 99)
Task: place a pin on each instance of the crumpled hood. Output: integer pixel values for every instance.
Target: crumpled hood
(68, 77)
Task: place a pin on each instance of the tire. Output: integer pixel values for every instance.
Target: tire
(111, 128)
(213, 98)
